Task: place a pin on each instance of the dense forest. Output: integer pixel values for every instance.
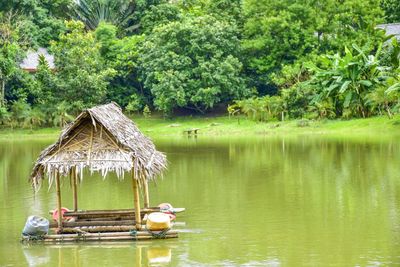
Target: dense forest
(268, 59)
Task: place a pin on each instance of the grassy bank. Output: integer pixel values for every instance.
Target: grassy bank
(224, 126)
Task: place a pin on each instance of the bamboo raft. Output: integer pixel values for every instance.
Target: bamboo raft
(101, 139)
(102, 225)
(114, 236)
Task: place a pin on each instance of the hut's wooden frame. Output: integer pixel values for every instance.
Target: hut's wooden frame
(100, 139)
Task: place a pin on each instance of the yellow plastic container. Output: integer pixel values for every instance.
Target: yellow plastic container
(158, 221)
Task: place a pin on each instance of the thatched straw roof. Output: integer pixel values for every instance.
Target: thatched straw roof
(101, 139)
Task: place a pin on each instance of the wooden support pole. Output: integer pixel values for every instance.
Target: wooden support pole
(146, 194)
(136, 199)
(94, 223)
(98, 229)
(58, 200)
(74, 188)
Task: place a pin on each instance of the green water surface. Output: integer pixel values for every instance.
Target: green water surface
(260, 201)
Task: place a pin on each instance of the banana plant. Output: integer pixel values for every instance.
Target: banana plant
(346, 80)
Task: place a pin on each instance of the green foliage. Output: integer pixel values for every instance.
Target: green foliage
(9, 51)
(323, 109)
(20, 111)
(157, 15)
(42, 19)
(261, 109)
(227, 10)
(192, 64)
(297, 100)
(61, 116)
(5, 116)
(347, 80)
(146, 111)
(195, 54)
(94, 12)
(106, 35)
(381, 102)
(122, 56)
(34, 118)
(81, 75)
(284, 32)
(135, 103)
(391, 9)
(43, 84)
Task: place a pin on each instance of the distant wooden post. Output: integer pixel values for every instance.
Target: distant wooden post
(135, 187)
(74, 188)
(146, 194)
(58, 200)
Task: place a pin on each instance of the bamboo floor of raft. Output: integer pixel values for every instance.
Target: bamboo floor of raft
(106, 236)
(102, 225)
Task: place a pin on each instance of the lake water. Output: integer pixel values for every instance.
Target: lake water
(256, 201)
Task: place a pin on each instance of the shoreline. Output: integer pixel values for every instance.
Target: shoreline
(224, 127)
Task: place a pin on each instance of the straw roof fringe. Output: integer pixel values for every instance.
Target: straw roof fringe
(101, 139)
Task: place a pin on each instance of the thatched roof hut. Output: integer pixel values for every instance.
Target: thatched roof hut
(101, 139)
(31, 62)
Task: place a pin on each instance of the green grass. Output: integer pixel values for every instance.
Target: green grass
(224, 126)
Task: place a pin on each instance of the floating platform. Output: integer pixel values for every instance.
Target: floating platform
(101, 139)
(114, 236)
(102, 225)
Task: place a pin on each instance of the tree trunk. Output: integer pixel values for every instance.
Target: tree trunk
(3, 89)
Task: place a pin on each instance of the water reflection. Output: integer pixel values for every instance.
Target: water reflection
(36, 255)
(269, 201)
(140, 254)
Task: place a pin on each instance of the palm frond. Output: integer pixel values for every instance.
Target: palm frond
(93, 12)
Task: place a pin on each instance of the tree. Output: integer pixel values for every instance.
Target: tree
(122, 55)
(159, 14)
(192, 64)
(279, 33)
(81, 77)
(43, 84)
(42, 19)
(9, 51)
(228, 10)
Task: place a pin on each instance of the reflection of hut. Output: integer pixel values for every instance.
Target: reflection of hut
(101, 139)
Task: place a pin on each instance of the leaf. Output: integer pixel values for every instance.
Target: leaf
(366, 83)
(344, 87)
(347, 99)
(394, 87)
(333, 86)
